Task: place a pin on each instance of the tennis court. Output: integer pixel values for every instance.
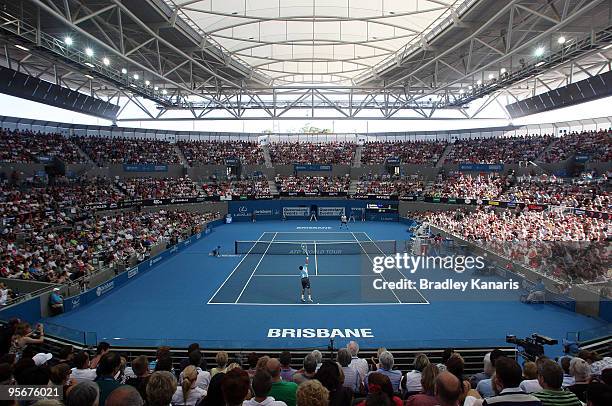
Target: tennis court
(340, 271)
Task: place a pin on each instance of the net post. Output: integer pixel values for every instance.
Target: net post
(236, 247)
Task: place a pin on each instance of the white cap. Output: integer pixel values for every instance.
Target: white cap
(56, 289)
(40, 358)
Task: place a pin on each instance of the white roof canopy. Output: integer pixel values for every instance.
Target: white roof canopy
(313, 41)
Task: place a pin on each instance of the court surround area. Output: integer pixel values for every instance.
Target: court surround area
(250, 296)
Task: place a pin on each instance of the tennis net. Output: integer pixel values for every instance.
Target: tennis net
(318, 248)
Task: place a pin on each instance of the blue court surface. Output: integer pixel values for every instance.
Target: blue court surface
(252, 299)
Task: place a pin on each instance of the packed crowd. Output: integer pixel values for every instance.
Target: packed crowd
(408, 152)
(567, 247)
(467, 186)
(103, 150)
(36, 147)
(158, 188)
(313, 184)
(580, 193)
(596, 145)
(257, 186)
(216, 152)
(108, 378)
(498, 150)
(60, 254)
(390, 185)
(337, 153)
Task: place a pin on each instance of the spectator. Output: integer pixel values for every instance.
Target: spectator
(550, 376)
(599, 394)
(312, 393)
(581, 371)
(448, 389)
(56, 302)
(530, 382)
(108, 368)
(23, 337)
(308, 371)
(252, 360)
(262, 384)
(506, 386)
(455, 365)
(286, 370)
(486, 373)
(103, 348)
(6, 332)
(283, 391)
(427, 396)
(140, 368)
(235, 386)
(185, 361)
(203, 380)
(329, 374)
(385, 367)
(221, 358)
(124, 396)
(318, 356)
(568, 379)
(378, 382)
(188, 393)
(360, 364)
(85, 393)
(412, 380)
(64, 356)
(214, 396)
(352, 379)
(160, 388)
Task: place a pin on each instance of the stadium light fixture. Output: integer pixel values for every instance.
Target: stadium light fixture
(164, 91)
(491, 76)
(68, 41)
(135, 76)
(470, 87)
(147, 83)
(89, 52)
(106, 61)
(502, 70)
(561, 40)
(89, 76)
(22, 47)
(539, 51)
(537, 65)
(479, 82)
(124, 71)
(156, 88)
(461, 91)
(91, 65)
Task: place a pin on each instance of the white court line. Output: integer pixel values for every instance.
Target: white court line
(312, 276)
(234, 270)
(255, 270)
(381, 275)
(317, 304)
(404, 276)
(316, 263)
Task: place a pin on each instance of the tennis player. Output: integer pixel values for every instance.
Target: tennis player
(343, 221)
(305, 281)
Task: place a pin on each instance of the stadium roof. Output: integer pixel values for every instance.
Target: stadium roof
(310, 41)
(296, 59)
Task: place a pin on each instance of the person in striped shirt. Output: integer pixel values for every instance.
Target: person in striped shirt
(505, 382)
(550, 376)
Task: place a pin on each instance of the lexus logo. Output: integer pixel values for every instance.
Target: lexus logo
(242, 209)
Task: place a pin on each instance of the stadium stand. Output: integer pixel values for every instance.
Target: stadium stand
(103, 150)
(310, 153)
(409, 152)
(216, 152)
(28, 146)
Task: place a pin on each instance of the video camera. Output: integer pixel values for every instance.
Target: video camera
(532, 347)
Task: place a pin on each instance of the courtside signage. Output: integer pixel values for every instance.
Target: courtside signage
(320, 333)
